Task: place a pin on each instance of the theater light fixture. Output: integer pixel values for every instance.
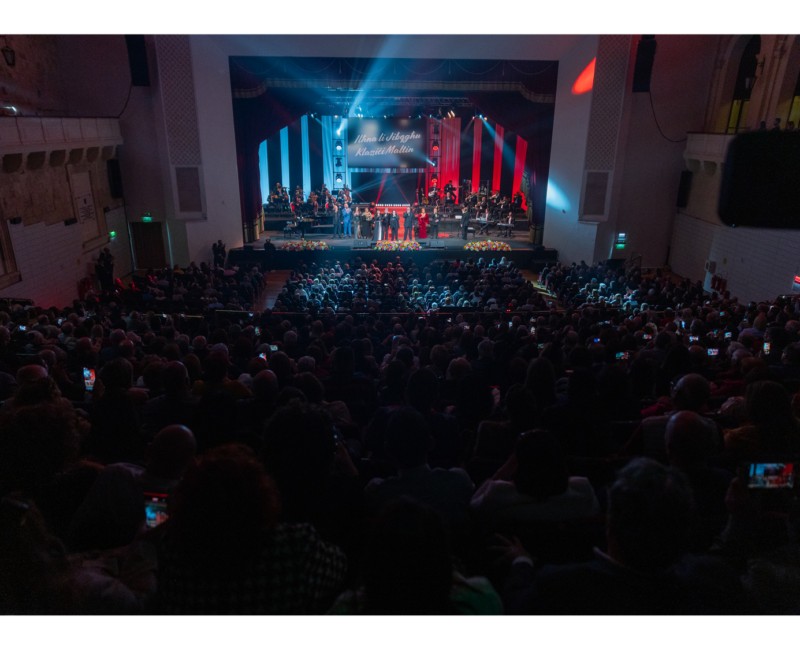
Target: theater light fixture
(339, 178)
(435, 129)
(338, 162)
(338, 145)
(435, 146)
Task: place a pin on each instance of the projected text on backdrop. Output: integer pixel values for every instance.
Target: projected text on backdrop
(386, 143)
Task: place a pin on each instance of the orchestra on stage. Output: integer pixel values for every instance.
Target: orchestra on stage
(481, 212)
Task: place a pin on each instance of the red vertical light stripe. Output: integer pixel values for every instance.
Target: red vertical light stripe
(451, 150)
(476, 156)
(519, 167)
(498, 156)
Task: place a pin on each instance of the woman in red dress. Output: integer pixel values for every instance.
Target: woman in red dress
(423, 225)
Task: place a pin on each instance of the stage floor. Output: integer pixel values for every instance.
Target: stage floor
(445, 241)
(355, 251)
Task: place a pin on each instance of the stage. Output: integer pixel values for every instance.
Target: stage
(523, 254)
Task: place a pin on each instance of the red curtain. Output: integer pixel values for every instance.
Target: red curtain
(450, 144)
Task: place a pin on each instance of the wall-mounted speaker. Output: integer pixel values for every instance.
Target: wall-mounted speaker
(684, 189)
(137, 59)
(643, 66)
(114, 178)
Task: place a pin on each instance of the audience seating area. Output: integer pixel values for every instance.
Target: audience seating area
(447, 440)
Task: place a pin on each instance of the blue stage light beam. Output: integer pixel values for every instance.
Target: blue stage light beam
(263, 167)
(556, 197)
(306, 156)
(285, 156)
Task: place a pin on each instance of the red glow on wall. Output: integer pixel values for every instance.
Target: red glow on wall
(585, 81)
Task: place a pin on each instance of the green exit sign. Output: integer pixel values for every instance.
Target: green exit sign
(147, 219)
(113, 233)
(620, 245)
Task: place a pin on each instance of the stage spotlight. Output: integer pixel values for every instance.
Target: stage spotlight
(435, 129)
(481, 116)
(435, 146)
(338, 162)
(338, 145)
(339, 178)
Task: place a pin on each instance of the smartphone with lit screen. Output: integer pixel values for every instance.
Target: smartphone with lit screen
(155, 509)
(770, 475)
(88, 378)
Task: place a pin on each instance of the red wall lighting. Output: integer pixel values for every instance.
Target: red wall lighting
(585, 81)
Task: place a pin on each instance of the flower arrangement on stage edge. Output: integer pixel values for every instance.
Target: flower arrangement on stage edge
(304, 245)
(488, 245)
(397, 246)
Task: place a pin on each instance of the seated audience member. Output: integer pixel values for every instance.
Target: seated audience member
(691, 441)
(176, 405)
(111, 515)
(216, 378)
(254, 412)
(649, 514)
(116, 429)
(690, 393)
(772, 431)
(408, 443)
(224, 551)
(318, 482)
(39, 459)
(37, 576)
(33, 385)
(408, 569)
(535, 485)
(314, 391)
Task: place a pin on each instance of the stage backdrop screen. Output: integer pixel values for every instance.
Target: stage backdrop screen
(386, 143)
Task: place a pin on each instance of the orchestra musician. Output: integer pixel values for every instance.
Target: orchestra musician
(433, 195)
(517, 203)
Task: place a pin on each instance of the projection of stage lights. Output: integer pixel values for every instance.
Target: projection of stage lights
(585, 81)
(556, 197)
